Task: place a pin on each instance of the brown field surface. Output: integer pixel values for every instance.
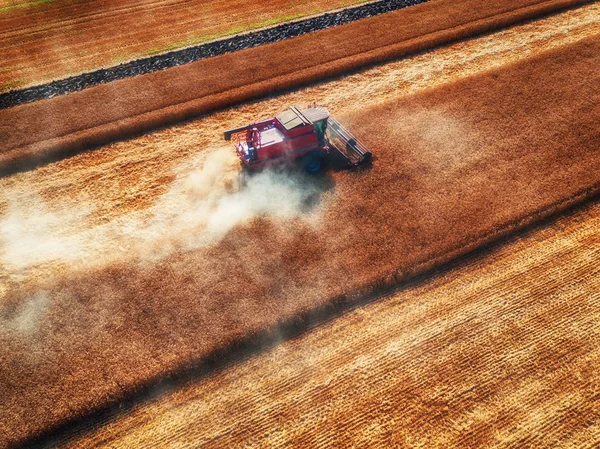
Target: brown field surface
(45, 40)
(136, 259)
(499, 351)
(65, 124)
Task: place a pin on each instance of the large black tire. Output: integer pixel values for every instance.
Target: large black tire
(313, 162)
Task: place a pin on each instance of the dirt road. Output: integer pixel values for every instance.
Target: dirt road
(500, 351)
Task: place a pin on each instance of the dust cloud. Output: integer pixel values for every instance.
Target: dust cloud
(24, 318)
(208, 198)
(32, 234)
(203, 205)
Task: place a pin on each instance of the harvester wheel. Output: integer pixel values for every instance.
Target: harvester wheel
(313, 162)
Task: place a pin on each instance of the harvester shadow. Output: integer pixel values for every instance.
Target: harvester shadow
(292, 328)
(337, 163)
(310, 186)
(321, 183)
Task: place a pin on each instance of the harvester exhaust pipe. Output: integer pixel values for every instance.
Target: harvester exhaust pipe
(227, 134)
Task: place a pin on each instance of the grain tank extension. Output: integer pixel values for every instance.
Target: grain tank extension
(309, 136)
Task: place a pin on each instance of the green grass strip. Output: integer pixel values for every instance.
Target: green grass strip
(26, 5)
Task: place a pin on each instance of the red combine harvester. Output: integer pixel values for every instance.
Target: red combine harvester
(309, 136)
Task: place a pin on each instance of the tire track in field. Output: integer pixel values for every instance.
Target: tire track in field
(498, 352)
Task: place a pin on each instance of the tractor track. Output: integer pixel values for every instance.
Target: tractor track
(195, 53)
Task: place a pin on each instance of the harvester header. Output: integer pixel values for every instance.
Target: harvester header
(310, 136)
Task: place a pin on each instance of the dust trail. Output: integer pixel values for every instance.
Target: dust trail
(204, 203)
(24, 318)
(165, 149)
(32, 234)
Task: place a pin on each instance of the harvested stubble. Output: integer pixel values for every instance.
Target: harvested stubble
(416, 369)
(51, 128)
(456, 167)
(49, 39)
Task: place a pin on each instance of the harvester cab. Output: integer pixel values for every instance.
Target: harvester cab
(309, 136)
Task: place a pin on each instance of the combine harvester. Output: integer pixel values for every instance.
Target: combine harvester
(309, 136)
